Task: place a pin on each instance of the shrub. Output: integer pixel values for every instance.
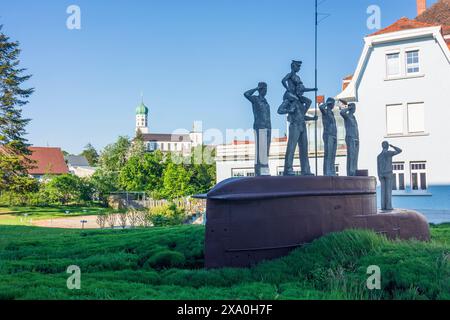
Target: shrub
(123, 218)
(165, 259)
(111, 219)
(15, 199)
(133, 217)
(167, 215)
(101, 220)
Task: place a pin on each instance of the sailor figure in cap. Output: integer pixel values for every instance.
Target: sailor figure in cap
(296, 106)
(262, 127)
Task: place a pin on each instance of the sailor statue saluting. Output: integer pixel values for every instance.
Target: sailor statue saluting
(296, 106)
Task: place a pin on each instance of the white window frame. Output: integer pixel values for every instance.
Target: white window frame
(409, 117)
(402, 107)
(242, 172)
(413, 65)
(398, 170)
(391, 53)
(419, 168)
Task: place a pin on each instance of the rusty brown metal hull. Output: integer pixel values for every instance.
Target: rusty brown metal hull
(260, 218)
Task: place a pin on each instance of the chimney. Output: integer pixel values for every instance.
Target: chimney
(421, 6)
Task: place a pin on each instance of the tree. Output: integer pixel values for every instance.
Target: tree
(67, 188)
(103, 183)
(113, 158)
(14, 163)
(143, 173)
(137, 148)
(90, 154)
(115, 155)
(176, 182)
(203, 171)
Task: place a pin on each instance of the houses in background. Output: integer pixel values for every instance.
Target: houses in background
(47, 161)
(52, 162)
(402, 90)
(79, 166)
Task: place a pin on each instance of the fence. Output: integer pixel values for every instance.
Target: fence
(138, 200)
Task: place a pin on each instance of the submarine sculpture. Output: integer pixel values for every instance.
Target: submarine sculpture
(249, 220)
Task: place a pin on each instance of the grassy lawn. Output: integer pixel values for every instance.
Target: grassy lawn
(23, 216)
(166, 263)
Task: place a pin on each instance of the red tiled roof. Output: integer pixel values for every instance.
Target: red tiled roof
(350, 77)
(404, 24)
(320, 99)
(346, 82)
(283, 139)
(47, 161)
(240, 142)
(439, 13)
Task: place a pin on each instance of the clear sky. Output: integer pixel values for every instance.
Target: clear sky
(192, 59)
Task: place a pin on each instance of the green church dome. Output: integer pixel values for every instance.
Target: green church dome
(141, 109)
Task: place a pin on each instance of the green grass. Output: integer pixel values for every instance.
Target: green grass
(167, 263)
(16, 215)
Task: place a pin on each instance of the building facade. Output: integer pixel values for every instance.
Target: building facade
(402, 90)
(79, 166)
(180, 141)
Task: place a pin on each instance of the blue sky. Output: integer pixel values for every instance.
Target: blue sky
(192, 59)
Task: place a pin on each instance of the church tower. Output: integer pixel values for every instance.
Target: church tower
(142, 118)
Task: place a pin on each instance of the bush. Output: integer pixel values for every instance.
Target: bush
(14, 199)
(167, 215)
(67, 188)
(165, 259)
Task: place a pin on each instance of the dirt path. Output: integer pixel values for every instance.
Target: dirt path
(68, 223)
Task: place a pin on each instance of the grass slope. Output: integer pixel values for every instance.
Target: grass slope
(166, 263)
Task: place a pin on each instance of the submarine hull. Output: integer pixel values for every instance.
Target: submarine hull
(249, 220)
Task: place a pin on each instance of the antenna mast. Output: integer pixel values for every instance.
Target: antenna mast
(315, 77)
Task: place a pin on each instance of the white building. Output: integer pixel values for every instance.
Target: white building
(181, 141)
(402, 90)
(79, 166)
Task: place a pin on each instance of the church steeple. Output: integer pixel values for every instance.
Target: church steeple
(142, 117)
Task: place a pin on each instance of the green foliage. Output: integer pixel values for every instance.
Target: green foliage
(137, 147)
(166, 215)
(165, 259)
(126, 166)
(115, 155)
(66, 188)
(176, 182)
(167, 263)
(103, 183)
(90, 154)
(13, 146)
(142, 173)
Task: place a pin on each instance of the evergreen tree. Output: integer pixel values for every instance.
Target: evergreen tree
(90, 154)
(14, 163)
